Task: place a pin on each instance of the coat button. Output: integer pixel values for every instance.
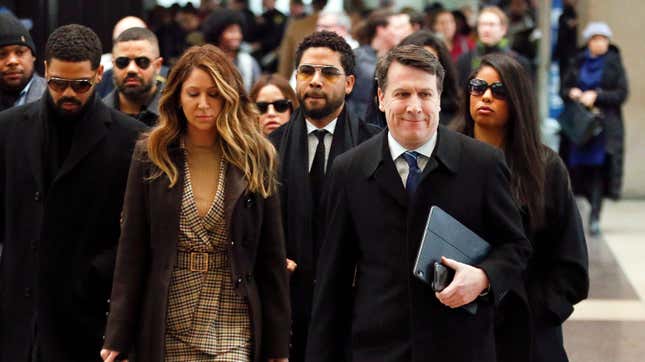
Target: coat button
(232, 242)
(37, 196)
(249, 202)
(107, 314)
(108, 301)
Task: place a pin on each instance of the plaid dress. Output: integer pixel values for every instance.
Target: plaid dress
(206, 319)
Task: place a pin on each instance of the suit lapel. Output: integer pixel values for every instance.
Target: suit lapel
(91, 129)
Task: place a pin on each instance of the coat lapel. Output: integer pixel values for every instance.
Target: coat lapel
(234, 186)
(384, 172)
(34, 144)
(91, 129)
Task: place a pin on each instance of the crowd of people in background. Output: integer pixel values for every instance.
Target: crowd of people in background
(225, 185)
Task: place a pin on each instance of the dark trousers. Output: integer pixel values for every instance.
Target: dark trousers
(588, 181)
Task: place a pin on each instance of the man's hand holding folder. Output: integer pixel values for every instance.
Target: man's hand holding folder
(469, 283)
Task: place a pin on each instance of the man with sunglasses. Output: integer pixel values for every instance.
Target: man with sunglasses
(19, 83)
(138, 85)
(368, 304)
(319, 131)
(64, 162)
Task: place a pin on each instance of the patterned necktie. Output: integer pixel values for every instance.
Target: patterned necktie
(317, 172)
(414, 174)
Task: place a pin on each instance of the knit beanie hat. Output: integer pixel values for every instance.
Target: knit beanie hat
(596, 28)
(12, 32)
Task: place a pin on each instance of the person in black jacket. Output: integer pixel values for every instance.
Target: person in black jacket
(325, 75)
(501, 111)
(368, 305)
(64, 163)
(598, 80)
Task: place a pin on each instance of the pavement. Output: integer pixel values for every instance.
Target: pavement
(610, 325)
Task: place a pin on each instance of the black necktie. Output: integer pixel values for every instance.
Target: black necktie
(317, 172)
(414, 174)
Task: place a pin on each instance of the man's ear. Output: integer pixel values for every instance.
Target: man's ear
(99, 73)
(349, 83)
(380, 95)
(46, 71)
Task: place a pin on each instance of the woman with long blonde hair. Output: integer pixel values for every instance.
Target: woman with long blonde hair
(200, 271)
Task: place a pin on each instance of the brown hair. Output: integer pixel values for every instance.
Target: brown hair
(503, 19)
(412, 56)
(280, 82)
(242, 143)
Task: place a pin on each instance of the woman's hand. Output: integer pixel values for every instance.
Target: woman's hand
(575, 94)
(588, 98)
(109, 355)
(291, 266)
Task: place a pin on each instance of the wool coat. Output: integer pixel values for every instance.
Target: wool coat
(298, 210)
(368, 305)
(148, 251)
(612, 93)
(59, 239)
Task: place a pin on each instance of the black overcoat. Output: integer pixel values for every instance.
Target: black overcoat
(148, 251)
(612, 93)
(298, 210)
(366, 290)
(59, 239)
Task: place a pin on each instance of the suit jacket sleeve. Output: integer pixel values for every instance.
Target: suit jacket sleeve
(563, 278)
(511, 250)
(131, 262)
(271, 275)
(331, 316)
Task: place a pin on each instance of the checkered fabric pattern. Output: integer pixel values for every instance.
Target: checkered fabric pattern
(206, 320)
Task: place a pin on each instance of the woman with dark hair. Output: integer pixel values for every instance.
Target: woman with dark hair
(451, 95)
(275, 100)
(444, 24)
(200, 270)
(500, 111)
(223, 28)
(597, 79)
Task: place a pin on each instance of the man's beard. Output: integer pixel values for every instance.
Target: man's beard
(134, 93)
(65, 114)
(331, 105)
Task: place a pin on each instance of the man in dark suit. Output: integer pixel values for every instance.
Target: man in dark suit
(368, 306)
(64, 162)
(319, 130)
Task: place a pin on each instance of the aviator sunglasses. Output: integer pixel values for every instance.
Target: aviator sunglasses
(280, 106)
(78, 85)
(307, 71)
(141, 62)
(477, 87)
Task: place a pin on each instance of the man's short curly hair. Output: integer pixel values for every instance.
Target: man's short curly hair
(331, 40)
(74, 43)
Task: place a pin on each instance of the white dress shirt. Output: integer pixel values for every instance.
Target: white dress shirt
(312, 140)
(397, 151)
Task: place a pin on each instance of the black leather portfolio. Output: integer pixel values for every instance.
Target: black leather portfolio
(445, 236)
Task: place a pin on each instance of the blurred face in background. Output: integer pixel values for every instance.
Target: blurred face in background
(445, 25)
(231, 38)
(490, 28)
(274, 107)
(598, 45)
(400, 26)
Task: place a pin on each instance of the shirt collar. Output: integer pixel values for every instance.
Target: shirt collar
(396, 150)
(330, 127)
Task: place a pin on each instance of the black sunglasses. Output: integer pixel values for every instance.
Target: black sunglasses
(307, 71)
(141, 62)
(78, 85)
(280, 106)
(477, 87)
